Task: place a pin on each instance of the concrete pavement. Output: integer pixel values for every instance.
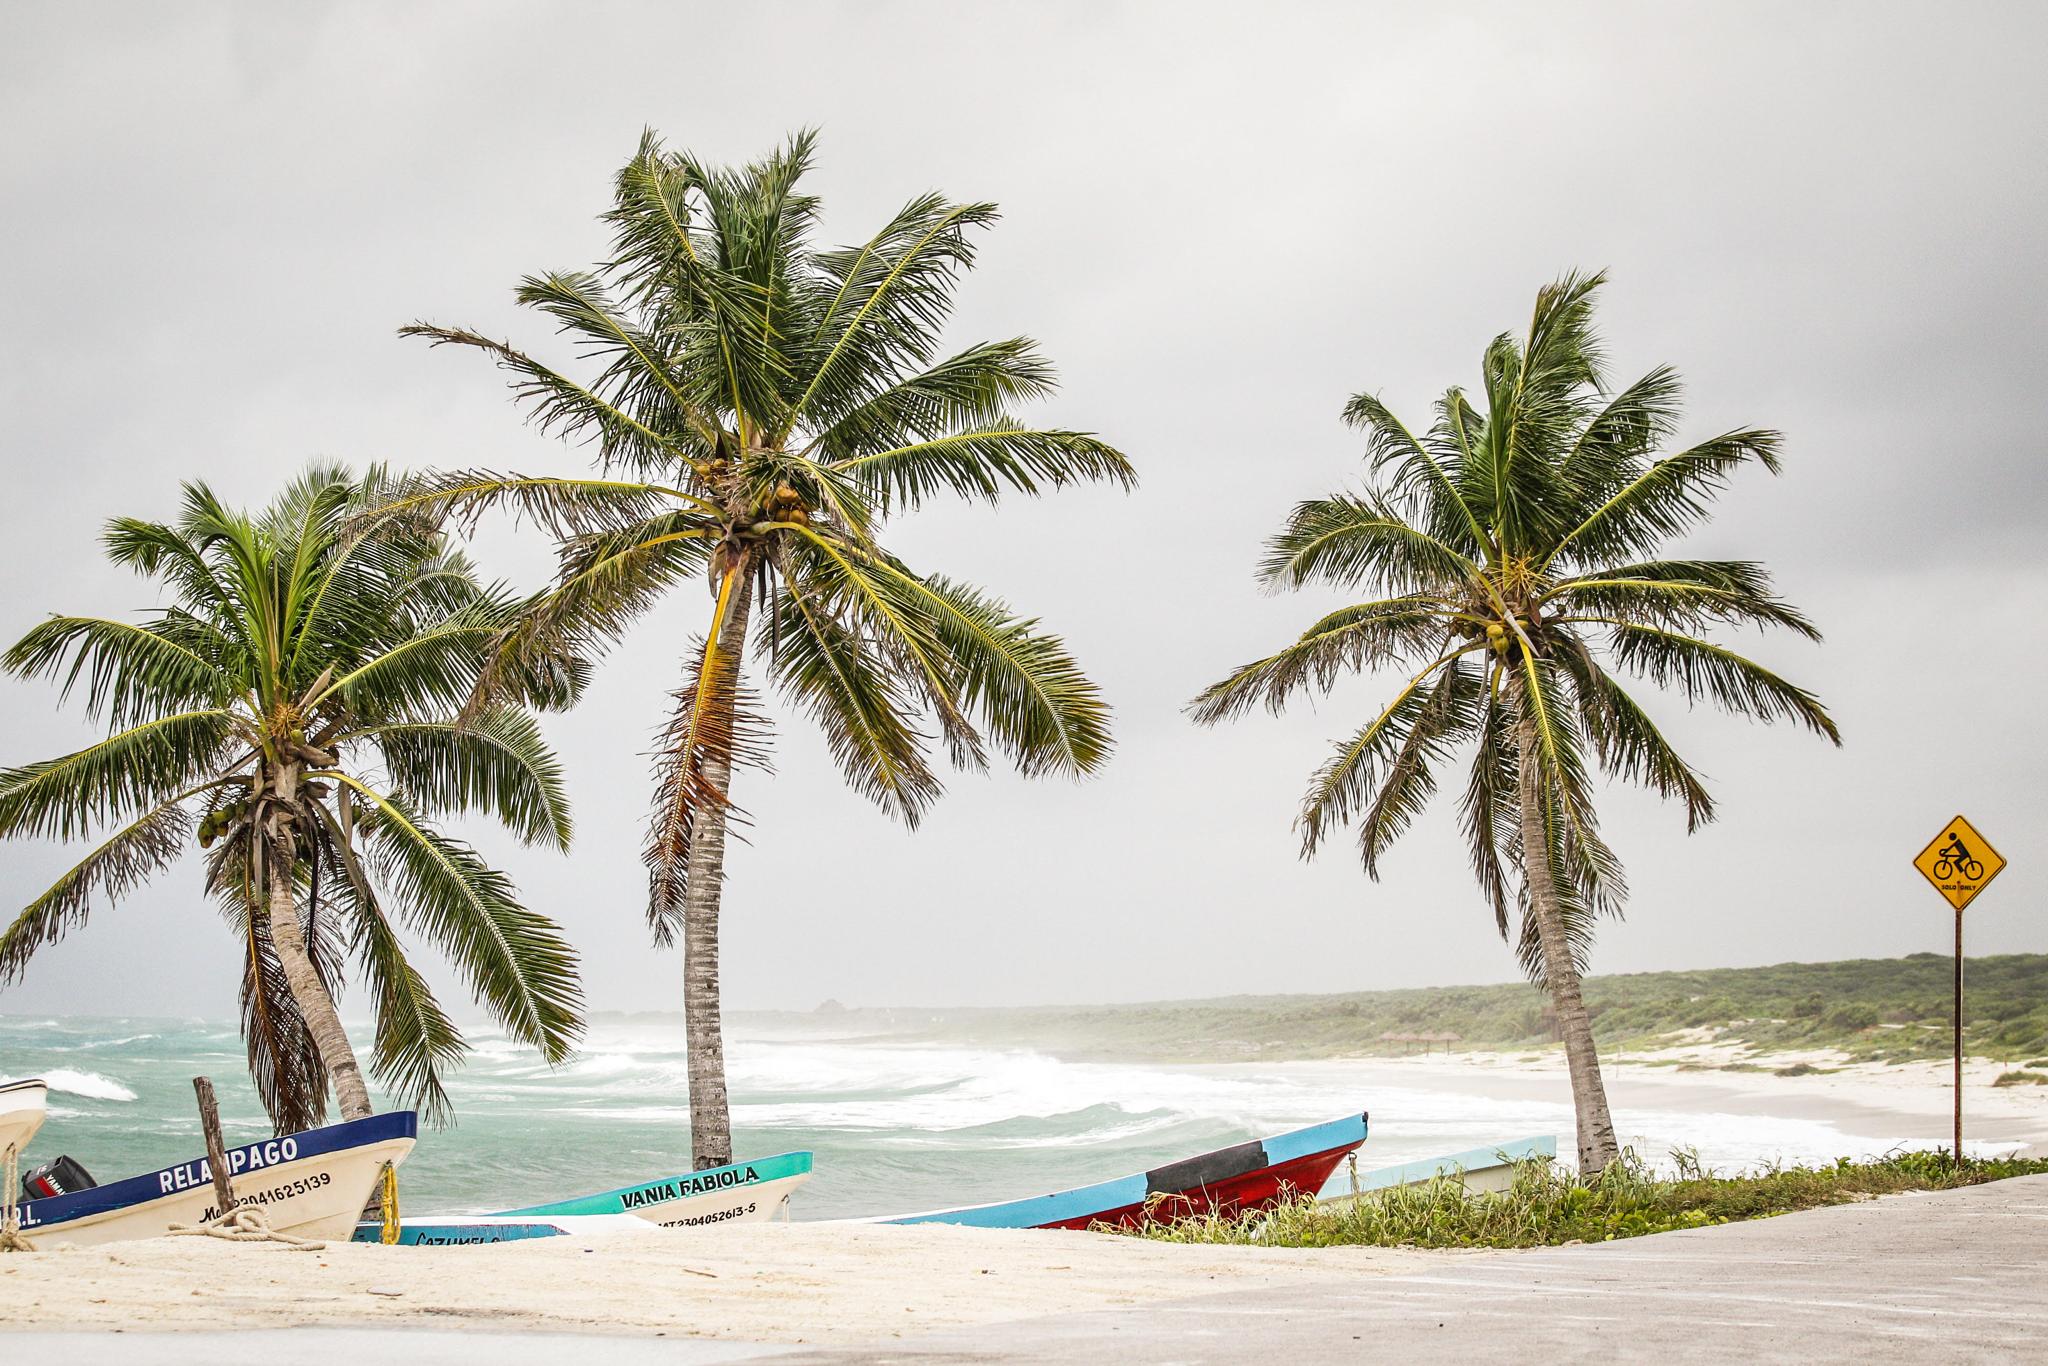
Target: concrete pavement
(1951, 1276)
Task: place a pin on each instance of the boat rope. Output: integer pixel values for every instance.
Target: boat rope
(1351, 1160)
(388, 1235)
(10, 1215)
(246, 1224)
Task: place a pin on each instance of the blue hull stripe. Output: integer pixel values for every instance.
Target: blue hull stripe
(455, 1232)
(1085, 1201)
(138, 1190)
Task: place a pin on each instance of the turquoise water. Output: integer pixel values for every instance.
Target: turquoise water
(896, 1128)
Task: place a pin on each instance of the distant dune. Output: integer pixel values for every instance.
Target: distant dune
(1866, 1009)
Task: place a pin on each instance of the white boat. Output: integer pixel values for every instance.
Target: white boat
(310, 1185)
(22, 1105)
(743, 1193)
(1482, 1171)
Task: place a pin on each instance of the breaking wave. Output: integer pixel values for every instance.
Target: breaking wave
(90, 1085)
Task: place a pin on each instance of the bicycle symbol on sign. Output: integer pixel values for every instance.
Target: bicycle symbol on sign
(1956, 861)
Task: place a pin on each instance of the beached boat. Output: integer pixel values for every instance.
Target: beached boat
(1482, 1171)
(312, 1185)
(457, 1230)
(22, 1105)
(743, 1193)
(1247, 1176)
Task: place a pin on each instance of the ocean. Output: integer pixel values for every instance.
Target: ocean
(896, 1127)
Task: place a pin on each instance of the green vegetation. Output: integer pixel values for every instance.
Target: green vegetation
(301, 715)
(1870, 1009)
(1509, 566)
(772, 402)
(2021, 1079)
(1548, 1204)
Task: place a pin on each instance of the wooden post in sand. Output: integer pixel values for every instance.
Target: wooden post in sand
(216, 1150)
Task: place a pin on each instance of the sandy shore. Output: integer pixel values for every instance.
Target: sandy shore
(1911, 1100)
(835, 1283)
(764, 1283)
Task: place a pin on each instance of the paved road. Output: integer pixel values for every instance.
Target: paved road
(1957, 1276)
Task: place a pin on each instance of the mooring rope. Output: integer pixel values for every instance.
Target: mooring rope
(245, 1224)
(10, 1213)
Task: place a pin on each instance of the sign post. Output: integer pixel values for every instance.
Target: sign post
(1959, 863)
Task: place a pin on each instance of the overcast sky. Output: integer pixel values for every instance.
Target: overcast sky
(1220, 221)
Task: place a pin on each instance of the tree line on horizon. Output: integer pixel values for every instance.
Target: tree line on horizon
(332, 680)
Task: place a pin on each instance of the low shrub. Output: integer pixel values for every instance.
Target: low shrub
(1548, 1204)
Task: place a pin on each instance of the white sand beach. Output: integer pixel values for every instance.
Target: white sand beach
(765, 1283)
(830, 1282)
(1877, 1102)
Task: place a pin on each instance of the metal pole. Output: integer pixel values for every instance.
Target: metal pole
(1959, 1038)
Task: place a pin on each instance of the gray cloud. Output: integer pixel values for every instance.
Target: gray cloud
(1220, 222)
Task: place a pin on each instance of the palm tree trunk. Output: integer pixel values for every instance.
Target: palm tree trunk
(316, 1007)
(1560, 972)
(703, 1026)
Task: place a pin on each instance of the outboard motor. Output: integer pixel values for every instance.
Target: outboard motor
(60, 1177)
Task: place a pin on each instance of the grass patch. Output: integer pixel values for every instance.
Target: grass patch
(1549, 1204)
(2021, 1079)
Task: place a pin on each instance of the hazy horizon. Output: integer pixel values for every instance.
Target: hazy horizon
(1219, 225)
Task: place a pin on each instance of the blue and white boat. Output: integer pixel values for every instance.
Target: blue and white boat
(311, 1185)
(743, 1193)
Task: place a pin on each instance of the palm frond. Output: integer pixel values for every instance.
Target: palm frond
(982, 462)
(1683, 593)
(117, 866)
(559, 405)
(513, 960)
(1430, 478)
(1627, 742)
(131, 673)
(1017, 679)
(889, 300)
(857, 700)
(1488, 809)
(497, 762)
(1360, 542)
(1351, 639)
(961, 391)
(416, 1041)
(1449, 715)
(1700, 669)
(1347, 781)
(109, 780)
(1665, 500)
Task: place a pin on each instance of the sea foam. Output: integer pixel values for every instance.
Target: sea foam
(90, 1085)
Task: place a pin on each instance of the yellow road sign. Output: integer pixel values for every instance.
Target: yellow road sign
(1959, 862)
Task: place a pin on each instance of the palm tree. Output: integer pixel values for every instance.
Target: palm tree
(1506, 555)
(295, 708)
(772, 402)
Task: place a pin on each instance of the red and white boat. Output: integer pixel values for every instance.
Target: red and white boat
(1245, 1176)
